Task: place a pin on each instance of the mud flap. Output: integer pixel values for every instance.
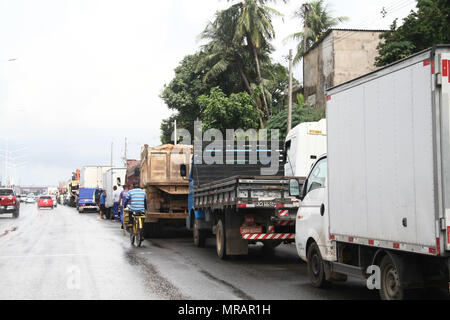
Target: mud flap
(235, 245)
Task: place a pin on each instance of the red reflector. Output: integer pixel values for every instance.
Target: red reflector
(249, 220)
(329, 98)
(396, 245)
(242, 206)
(371, 242)
(332, 237)
(438, 246)
(432, 67)
(280, 205)
(351, 239)
(426, 62)
(445, 68)
(448, 235)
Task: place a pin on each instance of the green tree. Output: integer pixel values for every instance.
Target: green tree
(429, 25)
(224, 112)
(318, 19)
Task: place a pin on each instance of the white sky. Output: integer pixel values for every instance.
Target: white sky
(89, 72)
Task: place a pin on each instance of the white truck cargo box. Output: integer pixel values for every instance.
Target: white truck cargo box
(113, 177)
(92, 176)
(389, 155)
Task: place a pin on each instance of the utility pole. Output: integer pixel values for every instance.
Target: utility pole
(125, 153)
(175, 132)
(289, 124)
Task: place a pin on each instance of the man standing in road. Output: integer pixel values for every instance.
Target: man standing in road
(116, 199)
(102, 204)
(123, 196)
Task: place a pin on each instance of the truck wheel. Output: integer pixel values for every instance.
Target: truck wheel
(316, 267)
(199, 236)
(221, 241)
(390, 281)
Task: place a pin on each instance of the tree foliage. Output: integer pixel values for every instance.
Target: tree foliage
(224, 112)
(300, 113)
(429, 25)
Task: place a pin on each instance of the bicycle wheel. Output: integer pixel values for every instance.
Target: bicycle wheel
(133, 232)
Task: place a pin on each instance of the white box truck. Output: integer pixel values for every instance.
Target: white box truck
(113, 177)
(92, 176)
(378, 205)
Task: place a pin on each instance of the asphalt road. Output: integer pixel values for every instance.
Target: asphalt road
(61, 254)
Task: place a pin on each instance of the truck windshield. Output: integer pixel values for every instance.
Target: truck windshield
(6, 192)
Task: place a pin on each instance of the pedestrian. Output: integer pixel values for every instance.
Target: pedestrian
(122, 199)
(102, 204)
(116, 199)
(136, 200)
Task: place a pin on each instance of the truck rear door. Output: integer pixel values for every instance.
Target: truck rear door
(443, 81)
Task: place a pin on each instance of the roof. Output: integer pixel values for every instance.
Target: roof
(327, 33)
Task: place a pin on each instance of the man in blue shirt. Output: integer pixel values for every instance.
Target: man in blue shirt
(102, 204)
(136, 199)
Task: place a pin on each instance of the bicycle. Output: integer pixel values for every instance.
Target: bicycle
(137, 226)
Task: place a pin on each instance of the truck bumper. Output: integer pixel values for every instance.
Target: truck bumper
(7, 209)
(269, 236)
(156, 216)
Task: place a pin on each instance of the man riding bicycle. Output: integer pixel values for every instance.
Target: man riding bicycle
(136, 201)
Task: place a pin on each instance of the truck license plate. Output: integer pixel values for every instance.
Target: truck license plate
(251, 230)
(266, 204)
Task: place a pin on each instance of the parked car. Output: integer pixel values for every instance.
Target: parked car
(9, 203)
(45, 202)
(23, 198)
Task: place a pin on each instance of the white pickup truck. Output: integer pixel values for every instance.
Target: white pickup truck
(377, 207)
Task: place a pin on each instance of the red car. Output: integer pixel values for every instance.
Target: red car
(45, 202)
(9, 203)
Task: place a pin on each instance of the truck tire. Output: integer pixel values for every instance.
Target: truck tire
(316, 267)
(221, 241)
(199, 236)
(390, 281)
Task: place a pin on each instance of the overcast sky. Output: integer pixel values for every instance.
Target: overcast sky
(89, 72)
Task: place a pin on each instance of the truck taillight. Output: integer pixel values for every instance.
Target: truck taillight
(14, 200)
(249, 220)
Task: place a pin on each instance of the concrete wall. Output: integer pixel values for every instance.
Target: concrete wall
(341, 56)
(354, 54)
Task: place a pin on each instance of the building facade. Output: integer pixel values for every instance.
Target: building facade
(339, 56)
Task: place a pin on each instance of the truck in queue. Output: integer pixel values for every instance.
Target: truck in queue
(87, 200)
(166, 190)
(236, 202)
(377, 205)
(92, 176)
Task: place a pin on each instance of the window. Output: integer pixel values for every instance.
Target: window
(6, 193)
(318, 177)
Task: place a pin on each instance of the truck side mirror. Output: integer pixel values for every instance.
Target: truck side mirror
(183, 171)
(294, 188)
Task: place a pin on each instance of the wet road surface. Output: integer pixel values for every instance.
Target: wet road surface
(61, 254)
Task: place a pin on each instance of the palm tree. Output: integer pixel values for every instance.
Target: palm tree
(318, 19)
(254, 28)
(221, 52)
